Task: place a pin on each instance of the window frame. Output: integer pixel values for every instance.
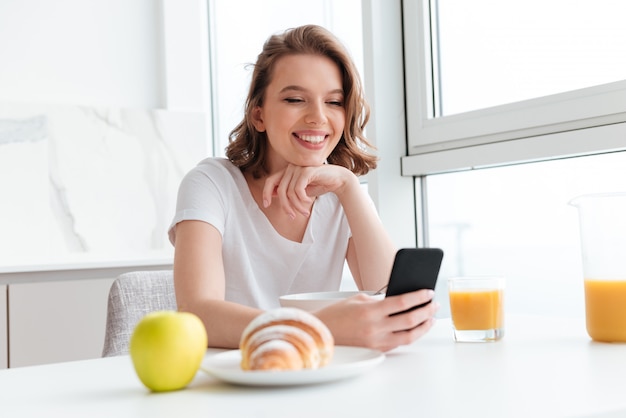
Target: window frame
(579, 122)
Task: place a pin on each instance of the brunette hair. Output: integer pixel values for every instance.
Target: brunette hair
(247, 147)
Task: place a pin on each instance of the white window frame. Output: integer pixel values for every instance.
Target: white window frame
(186, 60)
(394, 196)
(579, 122)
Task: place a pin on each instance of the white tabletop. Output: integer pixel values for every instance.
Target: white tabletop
(544, 367)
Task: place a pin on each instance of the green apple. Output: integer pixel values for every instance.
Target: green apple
(166, 349)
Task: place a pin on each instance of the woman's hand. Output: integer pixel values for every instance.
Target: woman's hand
(366, 322)
(297, 187)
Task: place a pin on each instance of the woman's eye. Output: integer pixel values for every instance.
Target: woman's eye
(293, 100)
(335, 103)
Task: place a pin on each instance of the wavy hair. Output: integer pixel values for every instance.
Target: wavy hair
(247, 148)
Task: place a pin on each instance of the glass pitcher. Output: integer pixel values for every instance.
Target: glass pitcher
(603, 243)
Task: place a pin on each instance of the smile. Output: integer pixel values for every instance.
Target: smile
(312, 139)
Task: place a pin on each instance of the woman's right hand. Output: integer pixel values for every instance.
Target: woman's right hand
(368, 322)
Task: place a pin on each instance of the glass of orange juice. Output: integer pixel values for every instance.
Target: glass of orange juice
(477, 308)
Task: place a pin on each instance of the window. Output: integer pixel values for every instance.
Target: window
(461, 93)
(515, 221)
(511, 114)
(497, 52)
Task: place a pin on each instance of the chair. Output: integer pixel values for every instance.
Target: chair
(132, 296)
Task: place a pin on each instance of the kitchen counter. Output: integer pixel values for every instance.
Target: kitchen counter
(81, 267)
(544, 367)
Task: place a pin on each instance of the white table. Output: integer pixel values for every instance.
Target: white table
(544, 367)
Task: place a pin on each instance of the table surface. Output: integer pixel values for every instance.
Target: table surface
(544, 367)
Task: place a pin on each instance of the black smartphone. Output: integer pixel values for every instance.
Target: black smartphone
(414, 269)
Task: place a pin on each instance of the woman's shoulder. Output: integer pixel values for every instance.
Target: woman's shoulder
(215, 164)
(213, 173)
(217, 169)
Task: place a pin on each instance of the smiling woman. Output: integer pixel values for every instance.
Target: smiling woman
(311, 113)
(282, 214)
(119, 88)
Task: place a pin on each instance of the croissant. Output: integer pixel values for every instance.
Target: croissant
(286, 339)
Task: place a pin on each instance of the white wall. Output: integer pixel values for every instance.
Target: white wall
(152, 54)
(113, 59)
(101, 53)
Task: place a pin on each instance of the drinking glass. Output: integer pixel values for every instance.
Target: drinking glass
(477, 308)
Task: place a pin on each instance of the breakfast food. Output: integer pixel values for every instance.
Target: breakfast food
(286, 339)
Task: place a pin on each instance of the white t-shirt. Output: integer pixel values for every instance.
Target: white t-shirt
(260, 265)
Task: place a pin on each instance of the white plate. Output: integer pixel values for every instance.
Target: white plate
(347, 362)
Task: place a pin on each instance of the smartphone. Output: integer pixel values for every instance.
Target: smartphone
(414, 269)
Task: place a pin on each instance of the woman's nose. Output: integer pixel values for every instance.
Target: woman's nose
(315, 114)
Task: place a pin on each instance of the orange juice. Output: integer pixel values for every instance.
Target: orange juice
(476, 309)
(605, 304)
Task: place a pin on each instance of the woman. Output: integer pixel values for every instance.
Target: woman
(284, 211)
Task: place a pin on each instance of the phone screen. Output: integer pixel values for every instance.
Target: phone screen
(414, 269)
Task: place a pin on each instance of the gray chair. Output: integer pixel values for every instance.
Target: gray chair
(132, 296)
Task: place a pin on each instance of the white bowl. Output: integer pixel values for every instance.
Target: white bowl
(317, 300)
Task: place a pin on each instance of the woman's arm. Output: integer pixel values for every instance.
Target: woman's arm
(370, 252)
(199, 283)
(360, 320)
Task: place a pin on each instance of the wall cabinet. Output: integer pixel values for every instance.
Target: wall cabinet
(56, 321)
(4, 353)
(56, 313)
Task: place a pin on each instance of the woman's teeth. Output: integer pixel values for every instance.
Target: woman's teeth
(313, 139)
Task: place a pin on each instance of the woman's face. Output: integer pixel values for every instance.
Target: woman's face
(303, 111)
